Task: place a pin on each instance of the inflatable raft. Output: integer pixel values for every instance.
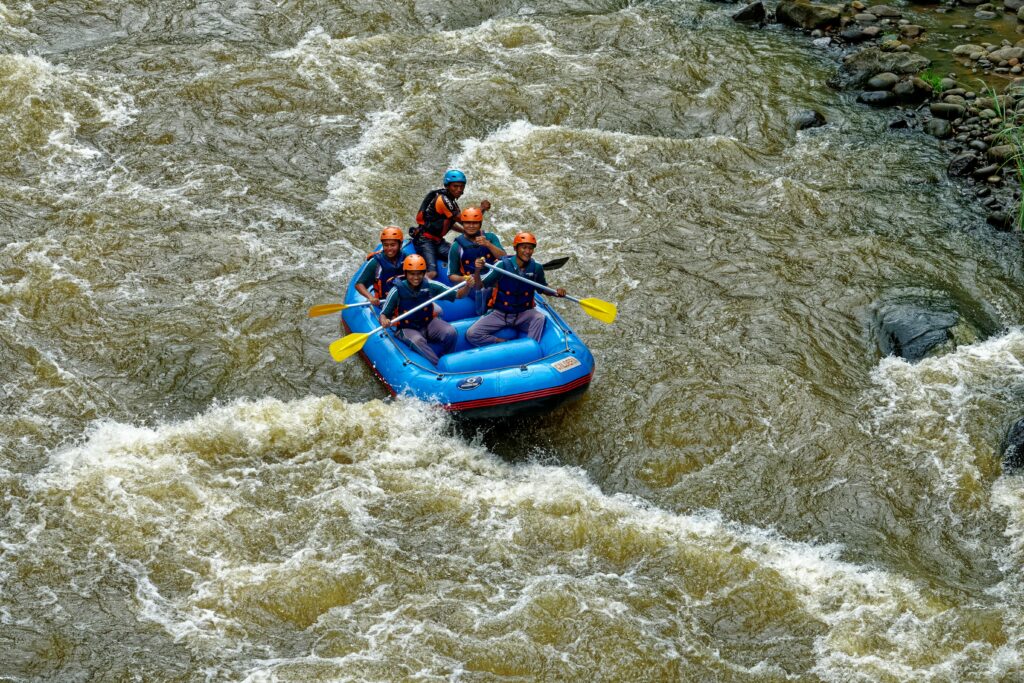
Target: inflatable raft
(501, 380)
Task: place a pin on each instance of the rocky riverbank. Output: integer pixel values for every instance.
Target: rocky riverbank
(939, 68)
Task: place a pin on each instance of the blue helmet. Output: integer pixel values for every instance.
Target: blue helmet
(454, 176)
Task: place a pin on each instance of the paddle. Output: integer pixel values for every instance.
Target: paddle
(327, 309)
(351, 343)
(595, 308)
(555, 263)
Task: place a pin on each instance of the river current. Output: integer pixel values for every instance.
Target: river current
(193, 490)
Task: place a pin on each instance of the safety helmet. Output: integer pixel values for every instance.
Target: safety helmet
(391, 233)
(454, 175)
(524, 238)
(472, 215)
(414, 262)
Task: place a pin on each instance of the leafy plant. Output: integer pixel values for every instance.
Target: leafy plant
(932, 79)
(1011, 132)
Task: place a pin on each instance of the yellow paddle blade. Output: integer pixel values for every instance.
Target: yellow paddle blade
(347, 345)
(602, 310)
(325, 309)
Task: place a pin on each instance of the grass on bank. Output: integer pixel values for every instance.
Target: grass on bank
(1011, 132)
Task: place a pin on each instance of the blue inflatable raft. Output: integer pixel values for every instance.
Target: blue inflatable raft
(501, 380)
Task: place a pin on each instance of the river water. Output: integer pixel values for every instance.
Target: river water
(193, 490)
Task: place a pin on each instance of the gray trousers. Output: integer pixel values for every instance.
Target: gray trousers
(437, 331)
(482, 331)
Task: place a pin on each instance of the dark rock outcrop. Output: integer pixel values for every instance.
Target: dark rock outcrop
(911, 330)
(1013, 446)
(753, 13)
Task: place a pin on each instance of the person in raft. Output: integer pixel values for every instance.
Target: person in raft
(468, 247)
(382, 267)
(512, 303)
(423, 326)
(439, 212)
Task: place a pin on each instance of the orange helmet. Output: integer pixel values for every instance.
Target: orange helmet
(524, 238)
(414, 262)
(472, 214)
(391, 233)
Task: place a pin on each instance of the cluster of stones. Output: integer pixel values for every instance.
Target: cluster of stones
(973, 123)
(887, 74)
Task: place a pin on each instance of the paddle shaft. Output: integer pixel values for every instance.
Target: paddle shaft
(529, 282)
(422, 305)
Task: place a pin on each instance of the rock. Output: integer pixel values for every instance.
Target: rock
(858, 67)
(807, 15)
(1020, 15)
(949, 88)
(1013, 445)
(1002, 152)
(887, 12)
(944, 110)
(854, 35)
(911, 329)
(883, 81)
(961, 165)
(872, 31)
(865, 18)
(1006, 54)
(753, 13)
(985, 171)
(939, 128)
(806, 118)
(985, 15)
(1013, 5)
(877, 98)
(1000, 220)
(821, 42)
(979, 145)
(967, 50)
(907, 92)
(987, 114)
(913, 30)
(955, 99)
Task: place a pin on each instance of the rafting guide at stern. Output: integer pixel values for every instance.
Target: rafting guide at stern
(438, 214)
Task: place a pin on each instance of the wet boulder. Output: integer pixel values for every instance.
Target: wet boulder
(1013, 446)
(961, 165)
(754, 13)
(939, 128)
(911, 329)
(877, 98)
(807, 15)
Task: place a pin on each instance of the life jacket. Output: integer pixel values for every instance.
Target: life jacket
(386, 272)
(436, 215)
(408, 300)
(511, 295)
(471, 251)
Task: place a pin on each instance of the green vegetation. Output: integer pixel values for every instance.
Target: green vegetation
(1011, 132)
(932, 79)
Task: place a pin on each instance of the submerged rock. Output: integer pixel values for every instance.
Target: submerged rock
(1013, 445)
(806, 118)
